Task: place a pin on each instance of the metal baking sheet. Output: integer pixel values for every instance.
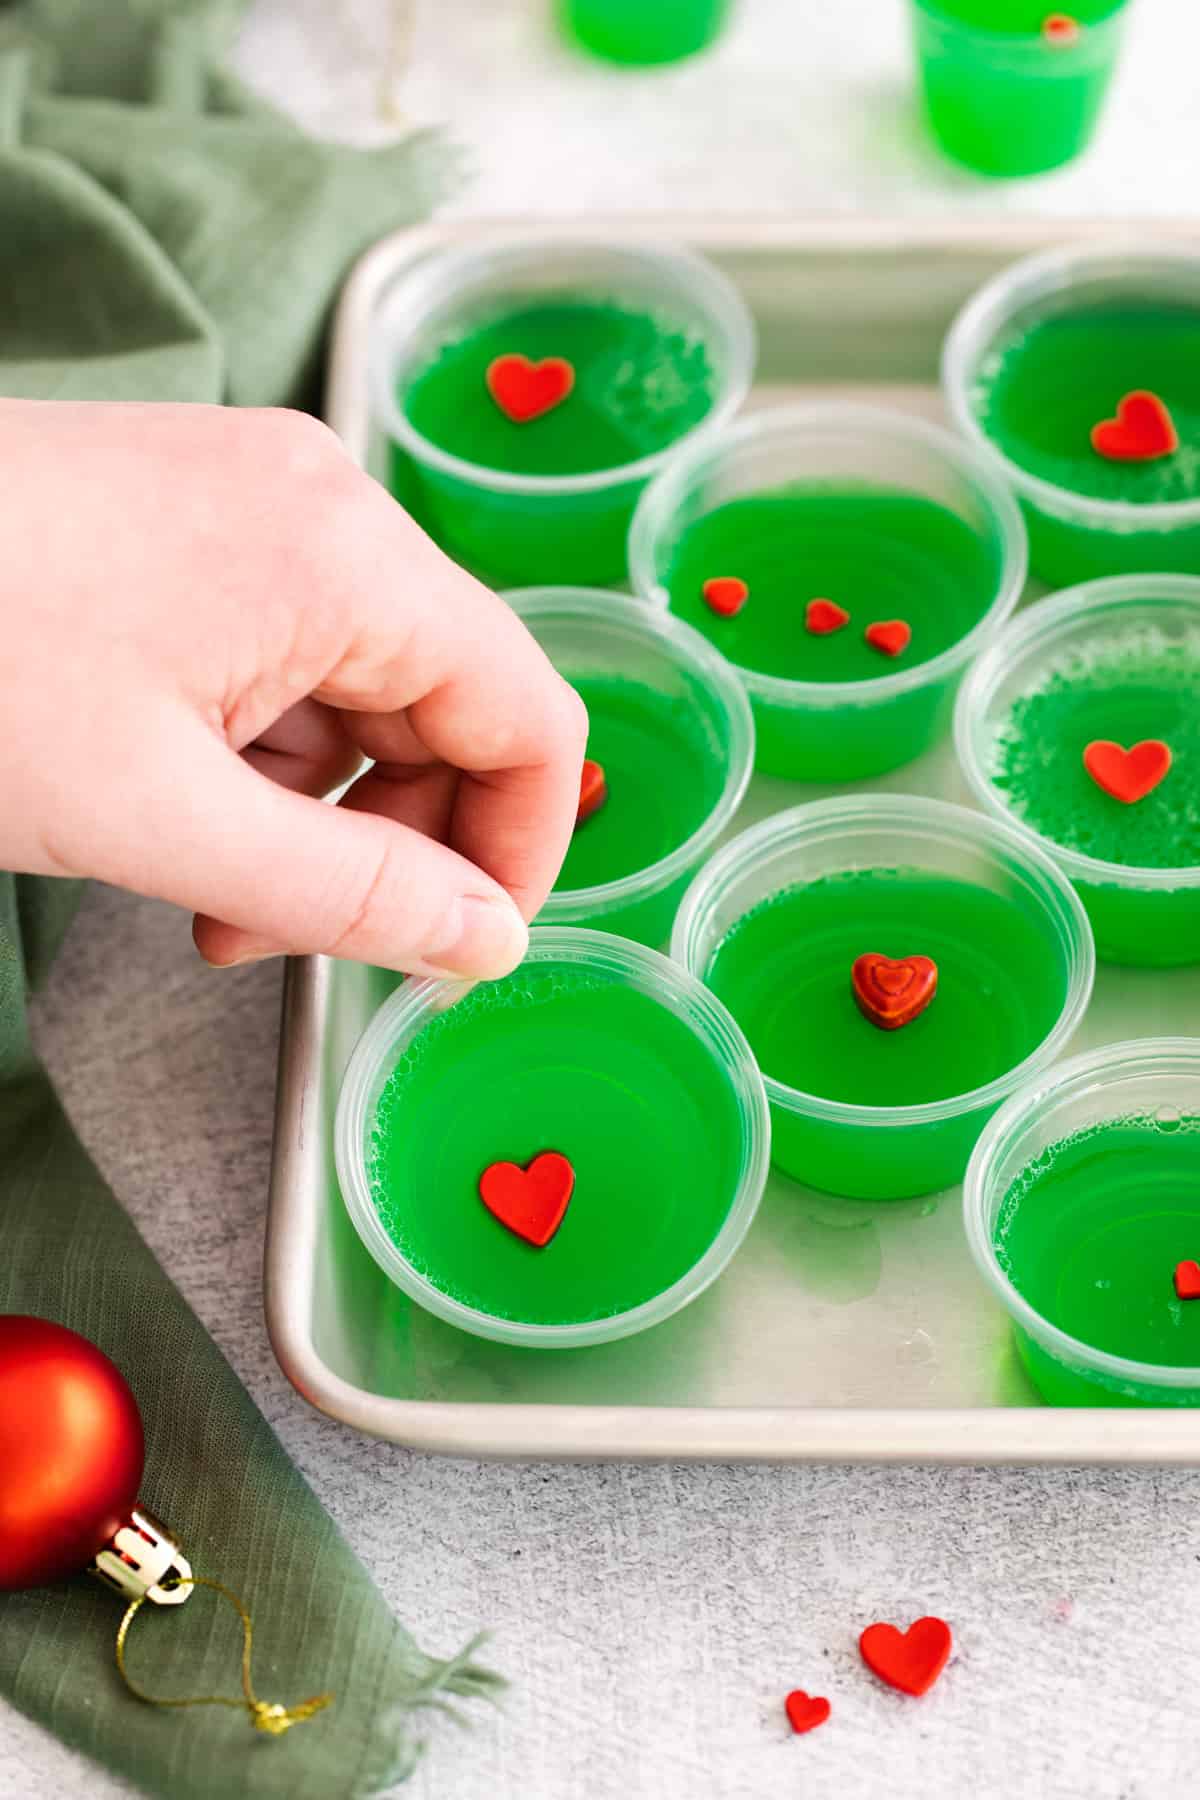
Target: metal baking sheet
(842, 1331)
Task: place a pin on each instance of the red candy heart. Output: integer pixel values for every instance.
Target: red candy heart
(1142, 430)
(805, 1712)
(823, 616)
(725, 594)
(891, 994)
(1128, 775)
(889, 635)
(1061, 29)
(593, 791)
(1187, 1280)
(525, 390)
(530, 1201)
(909, 1660)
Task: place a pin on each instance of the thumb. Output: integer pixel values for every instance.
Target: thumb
(269, 870)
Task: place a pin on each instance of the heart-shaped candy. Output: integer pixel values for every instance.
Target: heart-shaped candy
(889, 635)
(909, 1660)
(593, 791)
(524, 389)
(531, 1202)
(1061, 29)
(823, 616)
(805, 1711)
(1142, 430)
(1187, 1280)
(891, 994)
(1128, 775)
(725, 595)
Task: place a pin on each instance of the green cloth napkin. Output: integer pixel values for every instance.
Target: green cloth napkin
(165, 236)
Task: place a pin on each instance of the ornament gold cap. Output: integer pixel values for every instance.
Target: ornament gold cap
(142, 1561)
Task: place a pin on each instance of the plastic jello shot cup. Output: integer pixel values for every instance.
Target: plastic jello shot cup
(1041, 369)
(671, 734)
(630, 31)
(1012, 87)
(530, 389)
(877, 555)
(1114, 664)
(947, 914)
(563, 1157)
(1082, 1210)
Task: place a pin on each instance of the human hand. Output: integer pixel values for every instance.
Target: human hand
(209, 617)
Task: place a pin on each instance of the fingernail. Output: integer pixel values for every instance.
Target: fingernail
(484, 939)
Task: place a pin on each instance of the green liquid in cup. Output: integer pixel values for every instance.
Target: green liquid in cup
(553, 1058)
(1132, 684)
(1001, 98)
(641, 382)
(665, 772)
(1042, 389)
(1090, 1234)
(784, 973)
(644, 31)
(879, 554)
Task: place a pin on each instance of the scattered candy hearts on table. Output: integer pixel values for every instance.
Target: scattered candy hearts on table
(725, 595)
(1142, 430)
(908, 1660)
(1061, 29)
(805, 1711)
(593, 791)
(889, 635)
(823, 616)
(1187, 1280)
(892, 993)
(530, 1202)
(1128, 775)
(524, 389)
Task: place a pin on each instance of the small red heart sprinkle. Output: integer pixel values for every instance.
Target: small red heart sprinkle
(531, 1202)
(1128, 775)
(1142, 430)
(1187, 1280)
(892, 994)
(909, 1660)
(524, 390)
(805, 1712)
(1061, 29)
(823, 616)
(593, 791)
(725, 594)
(889, 635)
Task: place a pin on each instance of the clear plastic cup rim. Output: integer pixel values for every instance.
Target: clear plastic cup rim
(692, 651)
(661, 498)
(412, 1006)
(1016, 40)
(1037, 630)
(1093, 1072)
(990, 309)
(443, 272)
(929, 819)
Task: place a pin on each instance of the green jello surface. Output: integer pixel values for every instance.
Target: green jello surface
(1043, 387)
(1130, 684)
(1091, 1231)
(880, 554)
(784, 973)
(640, 383)
(556, 1058)
(1023, 18)
(631, 31)
(664, 772)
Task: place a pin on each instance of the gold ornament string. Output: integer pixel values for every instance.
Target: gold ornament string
(264, 1715)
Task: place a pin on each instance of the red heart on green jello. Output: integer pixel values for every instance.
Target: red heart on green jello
(1142, 430)
(593, 791)
(892, 993)
(532, 1201)
(1128, 775)
(909, 1660)
(725, 595)
(524, 389)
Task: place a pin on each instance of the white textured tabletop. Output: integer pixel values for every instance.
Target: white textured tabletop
(651, 1619)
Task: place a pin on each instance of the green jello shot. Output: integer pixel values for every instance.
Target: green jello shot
(596, 1049)
(887, 518)
(659, 346)
(1009, 87)
(1048, 351)
(1081, 1199)
(631, 31)
(775, 924)
(670, 725)
(1111, 662)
